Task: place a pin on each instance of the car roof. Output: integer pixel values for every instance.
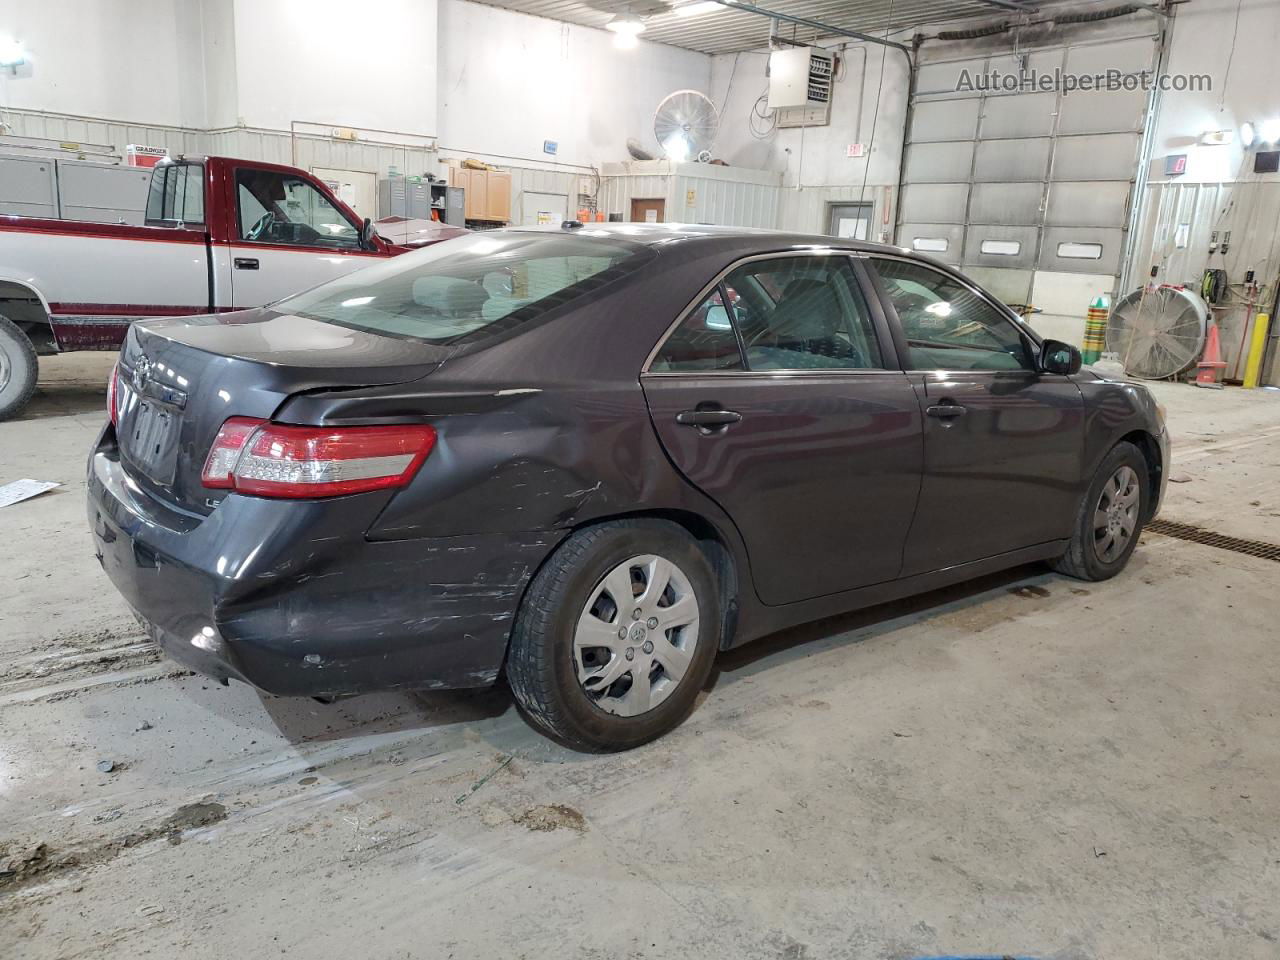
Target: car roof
(664, 234)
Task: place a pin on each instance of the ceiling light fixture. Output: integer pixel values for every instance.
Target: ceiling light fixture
(1269, 131)
(626, 25)
(1247, 134)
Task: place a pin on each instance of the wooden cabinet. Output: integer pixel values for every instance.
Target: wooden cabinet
(488, 193)
(498, 196)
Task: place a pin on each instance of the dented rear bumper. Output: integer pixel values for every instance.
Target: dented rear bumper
(292, 598)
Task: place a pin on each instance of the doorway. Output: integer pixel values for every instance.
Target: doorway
(849, 221)
(648, 211)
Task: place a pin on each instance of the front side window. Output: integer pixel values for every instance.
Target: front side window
(470, 288)
(282, 208)
(947, 326)
(176, 194)
(802, 313)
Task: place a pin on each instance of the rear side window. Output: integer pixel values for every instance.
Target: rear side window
(176, 194)
(470, 288)
(802, 313)
(704, 341)
(947, 326)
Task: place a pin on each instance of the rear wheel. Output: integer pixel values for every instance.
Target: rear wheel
(616, 635)
(19, 369)
(1110, 518)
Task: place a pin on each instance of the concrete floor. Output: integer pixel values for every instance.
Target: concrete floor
(1024, 765)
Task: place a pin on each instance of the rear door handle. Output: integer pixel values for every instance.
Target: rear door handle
(946, 411)
(246, 263)
(708, 419)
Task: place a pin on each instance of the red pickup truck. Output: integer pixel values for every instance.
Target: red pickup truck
(220, 235)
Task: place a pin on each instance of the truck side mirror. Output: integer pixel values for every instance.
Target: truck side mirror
(367, 234)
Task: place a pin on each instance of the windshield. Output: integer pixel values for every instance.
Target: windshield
(470, 288)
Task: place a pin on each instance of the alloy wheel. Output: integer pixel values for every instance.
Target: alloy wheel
(1115, 518)
(635, 638)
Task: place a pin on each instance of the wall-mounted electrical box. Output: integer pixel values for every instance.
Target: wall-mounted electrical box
(800, 77)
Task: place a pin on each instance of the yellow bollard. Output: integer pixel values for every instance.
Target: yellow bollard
(1253, 366)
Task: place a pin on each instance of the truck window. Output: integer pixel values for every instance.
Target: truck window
(176, 195)
(282, 208)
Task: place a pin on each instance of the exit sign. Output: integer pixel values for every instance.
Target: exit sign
(855, 150)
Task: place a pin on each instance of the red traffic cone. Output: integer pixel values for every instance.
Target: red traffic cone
(1211, 364)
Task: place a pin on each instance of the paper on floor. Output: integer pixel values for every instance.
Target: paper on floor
(20, 490)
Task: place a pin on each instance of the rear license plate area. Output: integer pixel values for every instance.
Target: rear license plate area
(149, 438)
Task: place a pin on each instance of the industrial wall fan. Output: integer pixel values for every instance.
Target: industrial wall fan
(1158, 333)
(685, 124)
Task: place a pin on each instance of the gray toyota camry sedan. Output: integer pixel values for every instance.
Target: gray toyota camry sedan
(587, 459)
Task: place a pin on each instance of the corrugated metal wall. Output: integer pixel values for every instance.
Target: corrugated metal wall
(1175, 234)
(694, 193)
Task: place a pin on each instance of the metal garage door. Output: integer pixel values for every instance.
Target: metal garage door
(1028, 191)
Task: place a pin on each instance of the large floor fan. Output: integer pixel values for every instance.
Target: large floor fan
(685, 124)
(1158, 333)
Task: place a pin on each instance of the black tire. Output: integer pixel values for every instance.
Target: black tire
(540, 667)
(19, 369)
(1082, 559)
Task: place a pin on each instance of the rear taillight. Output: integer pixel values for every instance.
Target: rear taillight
(113, 393)
(274, 460)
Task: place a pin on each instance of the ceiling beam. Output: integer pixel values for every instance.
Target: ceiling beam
(818, 25)
(1011, 5)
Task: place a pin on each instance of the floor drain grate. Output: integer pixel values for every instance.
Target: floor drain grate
(1194, 534)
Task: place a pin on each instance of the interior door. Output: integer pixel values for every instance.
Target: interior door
(778, 397)
(648, 210)
(1003, 442)
(288, 238)
(850, 221)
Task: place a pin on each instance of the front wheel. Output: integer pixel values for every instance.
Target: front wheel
(616, 635)
(1110, 518)
(19, 369)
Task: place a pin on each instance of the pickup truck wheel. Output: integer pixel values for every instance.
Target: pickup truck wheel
(19, 369)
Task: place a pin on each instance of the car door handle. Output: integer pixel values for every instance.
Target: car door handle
(246, 263)
(946, 411)
(708, 419)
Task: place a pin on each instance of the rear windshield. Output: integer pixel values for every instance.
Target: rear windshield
(470, 288)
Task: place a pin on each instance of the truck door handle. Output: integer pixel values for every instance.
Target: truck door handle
(946, 410)
(246, 263)
(708, 419)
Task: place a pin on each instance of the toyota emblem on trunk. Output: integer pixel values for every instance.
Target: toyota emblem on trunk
(141, 373)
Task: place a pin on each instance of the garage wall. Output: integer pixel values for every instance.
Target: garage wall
(509, 81)
(814, 162)
(334, 61)
(126, 59)
(1219, 191)
(237, 73)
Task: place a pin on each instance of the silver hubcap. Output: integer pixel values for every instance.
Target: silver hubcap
(1116, 516)
(4, 369)
(636, 636)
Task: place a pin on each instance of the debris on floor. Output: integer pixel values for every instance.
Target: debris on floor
(24, 489)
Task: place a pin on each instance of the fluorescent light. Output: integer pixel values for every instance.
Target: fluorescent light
(1269, 131)
(11, 53)
(699, 8)
(1247, 134)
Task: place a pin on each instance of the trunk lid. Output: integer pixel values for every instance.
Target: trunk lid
(180, 379)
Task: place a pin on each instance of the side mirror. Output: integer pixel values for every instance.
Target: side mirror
(367, 233)
(1059, 357)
